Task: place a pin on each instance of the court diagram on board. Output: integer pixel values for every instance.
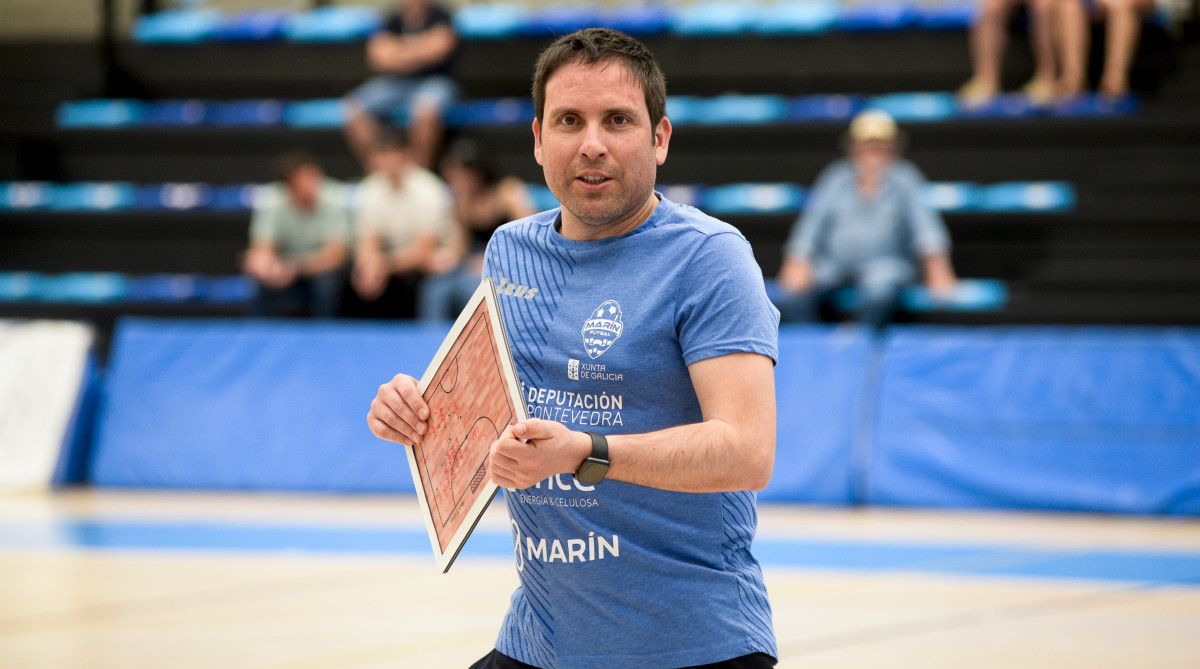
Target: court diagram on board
(468, 409)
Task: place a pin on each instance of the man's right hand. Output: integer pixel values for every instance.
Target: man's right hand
(795, 276)
(399, 413)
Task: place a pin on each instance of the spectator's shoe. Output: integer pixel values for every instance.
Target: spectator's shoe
(1041, 93)
(975, 94)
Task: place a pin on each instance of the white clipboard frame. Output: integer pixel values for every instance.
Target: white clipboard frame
(485, 294)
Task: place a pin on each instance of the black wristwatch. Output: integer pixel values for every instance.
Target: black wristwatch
(595, 467)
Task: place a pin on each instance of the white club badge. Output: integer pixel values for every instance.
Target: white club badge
(602, 328)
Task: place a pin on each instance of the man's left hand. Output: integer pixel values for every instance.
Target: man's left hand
(534, 450)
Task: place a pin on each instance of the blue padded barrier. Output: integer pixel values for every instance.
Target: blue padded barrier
(489, 21)
(878, 17)
(256, 25)
(253, 405)
(332, 24)
(17, 195)
(1041, 196)
(328, 113)
(184, 26)
(100, 113)
(639, 19)
(715, 19)
(820, 384)
(1101, 420)
(752, 198)
(916, 107)
(555, 20)
(797, 17)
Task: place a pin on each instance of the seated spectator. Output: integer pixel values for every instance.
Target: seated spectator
(412, 57)
(989, 35)
(866, 225)
(405, 229)
(482, 202)
(298, 241)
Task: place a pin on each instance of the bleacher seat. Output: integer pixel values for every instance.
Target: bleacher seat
(878, 16)
(92, 196)
(175, 196)
(689, 195)
(734, 109)
(949, 16)
(952, 196)
(752, 198)
(916, 107)
(489, 21)
(559, 19)
(1092, 104)
(504, 111)
(236, 197)
(797, 17)
(245, 113)
(174, 113)
(824, 107)
(112, 287)
(163, 288)
(328, 113)
(18, 286)
(24, 195)
(969, 295)
(1007, 105)
(100, 113)
(225, 289)
(257, 25)
(82, 288)
(639, 19)
(715, 19)
(1029, 196)
(332, 24)
(182, 26)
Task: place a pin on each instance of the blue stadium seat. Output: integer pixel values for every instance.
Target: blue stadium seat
(559, 19)
(100, 113)
(175, 196)
(753, 199)
(92, 196)
(1008, 105)
(1091, 104)
(878, 17)
(797, 17)
(18, 195)
(689, 195)
(82, 287)
(18, 286)
(952, 196)
(642, 19)
(916, 107)
(1043, 196)
(174, 113)
(715, 18)
(184, 26)
(542, 198)
(738, 109)
(257, 25)
(163, 288)
(949, 16)
(489, 21)
(684, 109)
(332, 24)
(315, 114)
(502, 111)
(245, 112)
(225, 289)
(968, 295)
(823, 107)
(234, 198)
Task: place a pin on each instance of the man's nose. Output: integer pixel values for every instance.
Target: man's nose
(593, 144)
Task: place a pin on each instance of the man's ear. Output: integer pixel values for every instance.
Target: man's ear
(662, 140)
(537, 141)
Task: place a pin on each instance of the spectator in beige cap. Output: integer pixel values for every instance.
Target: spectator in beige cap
(865, 225)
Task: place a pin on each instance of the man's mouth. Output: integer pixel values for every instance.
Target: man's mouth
(592, 179)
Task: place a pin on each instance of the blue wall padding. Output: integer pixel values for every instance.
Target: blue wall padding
(1065, 419)
(252, 405)
(820, 386)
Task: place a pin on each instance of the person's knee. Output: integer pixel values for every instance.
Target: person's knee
(993, 10)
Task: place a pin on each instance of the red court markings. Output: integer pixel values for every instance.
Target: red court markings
(469, 406)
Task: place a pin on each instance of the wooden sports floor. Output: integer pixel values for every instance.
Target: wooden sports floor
(147, 580)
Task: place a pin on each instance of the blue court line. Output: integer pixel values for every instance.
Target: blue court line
(1156, 567)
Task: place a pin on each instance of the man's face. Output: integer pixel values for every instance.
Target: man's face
(391, 161)
(305, 185)
(872, 157)
(595, 143)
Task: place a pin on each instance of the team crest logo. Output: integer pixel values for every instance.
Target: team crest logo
(602, 329)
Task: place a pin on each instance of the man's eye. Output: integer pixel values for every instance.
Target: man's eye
(620, 119)
(568, 120)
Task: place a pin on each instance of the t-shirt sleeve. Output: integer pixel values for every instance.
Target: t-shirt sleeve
(721, 304)
(264, 224)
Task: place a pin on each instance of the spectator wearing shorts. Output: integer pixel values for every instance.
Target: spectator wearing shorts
(299, 236)
(405, 230)
(866, 225)
(412, 57)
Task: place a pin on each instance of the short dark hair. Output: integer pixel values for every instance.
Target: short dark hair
(291, 162)
(595, 45)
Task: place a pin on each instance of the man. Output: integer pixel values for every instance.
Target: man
(405, 229)
(412, 57)
(645, 323)
(298, 241)
(866, 225)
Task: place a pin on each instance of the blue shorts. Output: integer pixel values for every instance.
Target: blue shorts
(390, 97)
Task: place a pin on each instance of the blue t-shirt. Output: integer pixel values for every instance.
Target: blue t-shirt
(602, 332)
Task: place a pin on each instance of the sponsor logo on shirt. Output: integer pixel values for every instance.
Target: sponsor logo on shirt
(602, 329)
(507, 288)
(569, 551)
(573, 369)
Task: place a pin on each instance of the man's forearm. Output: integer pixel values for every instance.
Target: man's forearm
(329, 258)
(712, 456)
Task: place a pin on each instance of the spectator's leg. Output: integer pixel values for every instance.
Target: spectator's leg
(436, 303)
(361, 132)
(989, 35)
(378, 98)
(1041, 89)
(425, 130)
(1123, 29)
(325, 294)
(879, 286)
(1073, 32)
